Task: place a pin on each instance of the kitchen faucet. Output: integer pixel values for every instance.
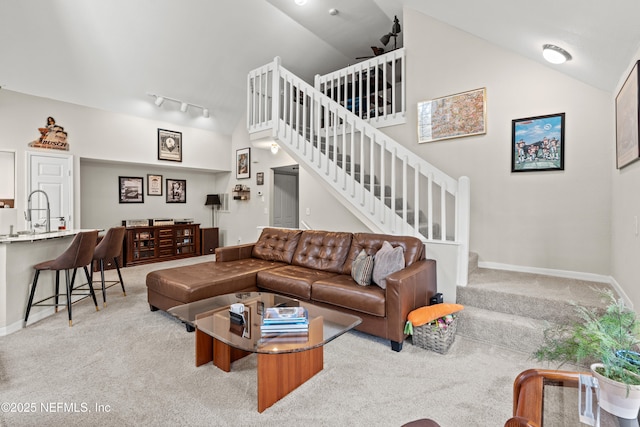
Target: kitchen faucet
(27, 214)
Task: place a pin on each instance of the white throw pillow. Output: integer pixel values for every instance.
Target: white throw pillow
(387, 260)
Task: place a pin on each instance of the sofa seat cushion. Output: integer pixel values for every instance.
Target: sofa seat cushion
(343, 291)
(199, 281)
(291, 280)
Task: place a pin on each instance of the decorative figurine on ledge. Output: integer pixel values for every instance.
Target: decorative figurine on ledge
(52, 136)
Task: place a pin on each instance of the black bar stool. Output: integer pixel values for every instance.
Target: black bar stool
(78, 254)
(110, 248)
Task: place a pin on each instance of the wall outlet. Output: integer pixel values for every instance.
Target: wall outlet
(308, 211)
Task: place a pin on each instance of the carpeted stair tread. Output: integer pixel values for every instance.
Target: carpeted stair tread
(511, 309)
(518, 333)
(532, 295)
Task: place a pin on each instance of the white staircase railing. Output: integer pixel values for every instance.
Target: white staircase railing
(373, 90)
(387, 186)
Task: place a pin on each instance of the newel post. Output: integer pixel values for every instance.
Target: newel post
(463, 224)
(275, 96)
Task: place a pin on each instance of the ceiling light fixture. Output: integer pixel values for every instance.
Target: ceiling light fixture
(301, 2)
(274, 148)
(184, 106)
(555, 54)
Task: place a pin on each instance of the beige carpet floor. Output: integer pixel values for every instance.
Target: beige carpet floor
(127, 366)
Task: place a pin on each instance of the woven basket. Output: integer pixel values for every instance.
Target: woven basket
(432, 338)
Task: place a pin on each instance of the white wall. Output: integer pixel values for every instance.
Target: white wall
(325, 212)
(7, 174)
(625, 200)
(240, 224)
(554, 220)
(98, 134)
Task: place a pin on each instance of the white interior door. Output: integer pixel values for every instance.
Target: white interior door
(53, 174)
(285, 200)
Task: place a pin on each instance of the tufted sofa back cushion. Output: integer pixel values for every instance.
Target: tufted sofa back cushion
(322, 250)
(276, 244)
(371, 243)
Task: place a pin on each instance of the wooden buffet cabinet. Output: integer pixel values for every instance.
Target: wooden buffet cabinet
(156, 243)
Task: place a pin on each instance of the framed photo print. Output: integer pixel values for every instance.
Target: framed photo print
(154, 185)
(260, 178)
(537, 143)
(176, 190)
(169, 145)
(130, 189)
(627, 144)
(243, 163)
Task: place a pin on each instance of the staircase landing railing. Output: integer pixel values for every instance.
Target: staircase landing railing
(388, 187)
(373, 90)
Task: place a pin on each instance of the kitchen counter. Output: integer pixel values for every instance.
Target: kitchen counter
(35, 237)
(18, 255)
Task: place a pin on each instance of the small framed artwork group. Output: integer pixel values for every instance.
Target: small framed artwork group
(131, 189)
(537, 143)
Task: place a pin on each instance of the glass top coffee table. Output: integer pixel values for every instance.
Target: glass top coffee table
(285, 361)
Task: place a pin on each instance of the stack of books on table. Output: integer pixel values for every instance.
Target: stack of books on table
(285, 324)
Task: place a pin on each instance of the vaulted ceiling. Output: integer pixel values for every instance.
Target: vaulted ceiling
(112, 54)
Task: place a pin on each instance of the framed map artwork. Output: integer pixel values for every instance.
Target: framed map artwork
(454, 116)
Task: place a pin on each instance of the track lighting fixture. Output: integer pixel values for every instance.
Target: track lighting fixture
(184, 106)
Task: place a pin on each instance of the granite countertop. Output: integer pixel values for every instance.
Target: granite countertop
(35, 237)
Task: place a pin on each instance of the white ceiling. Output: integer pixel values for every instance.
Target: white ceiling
(111, 54)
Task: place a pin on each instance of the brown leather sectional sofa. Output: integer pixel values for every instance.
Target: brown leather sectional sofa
(312, 266)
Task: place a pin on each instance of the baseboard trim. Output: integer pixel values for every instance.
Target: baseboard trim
(34, 317)
(567, 274)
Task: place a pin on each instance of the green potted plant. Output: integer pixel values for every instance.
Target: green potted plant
(606, 339)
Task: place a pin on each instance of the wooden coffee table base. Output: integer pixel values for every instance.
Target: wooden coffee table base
(278, 374)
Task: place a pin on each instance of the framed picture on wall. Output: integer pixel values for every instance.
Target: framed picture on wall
(260, 178)
(243, 163)
(130, 189)
(453, 116)
(627, 143)
(176, 190)
(154, 185)
(169, 145)
(537, 143)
